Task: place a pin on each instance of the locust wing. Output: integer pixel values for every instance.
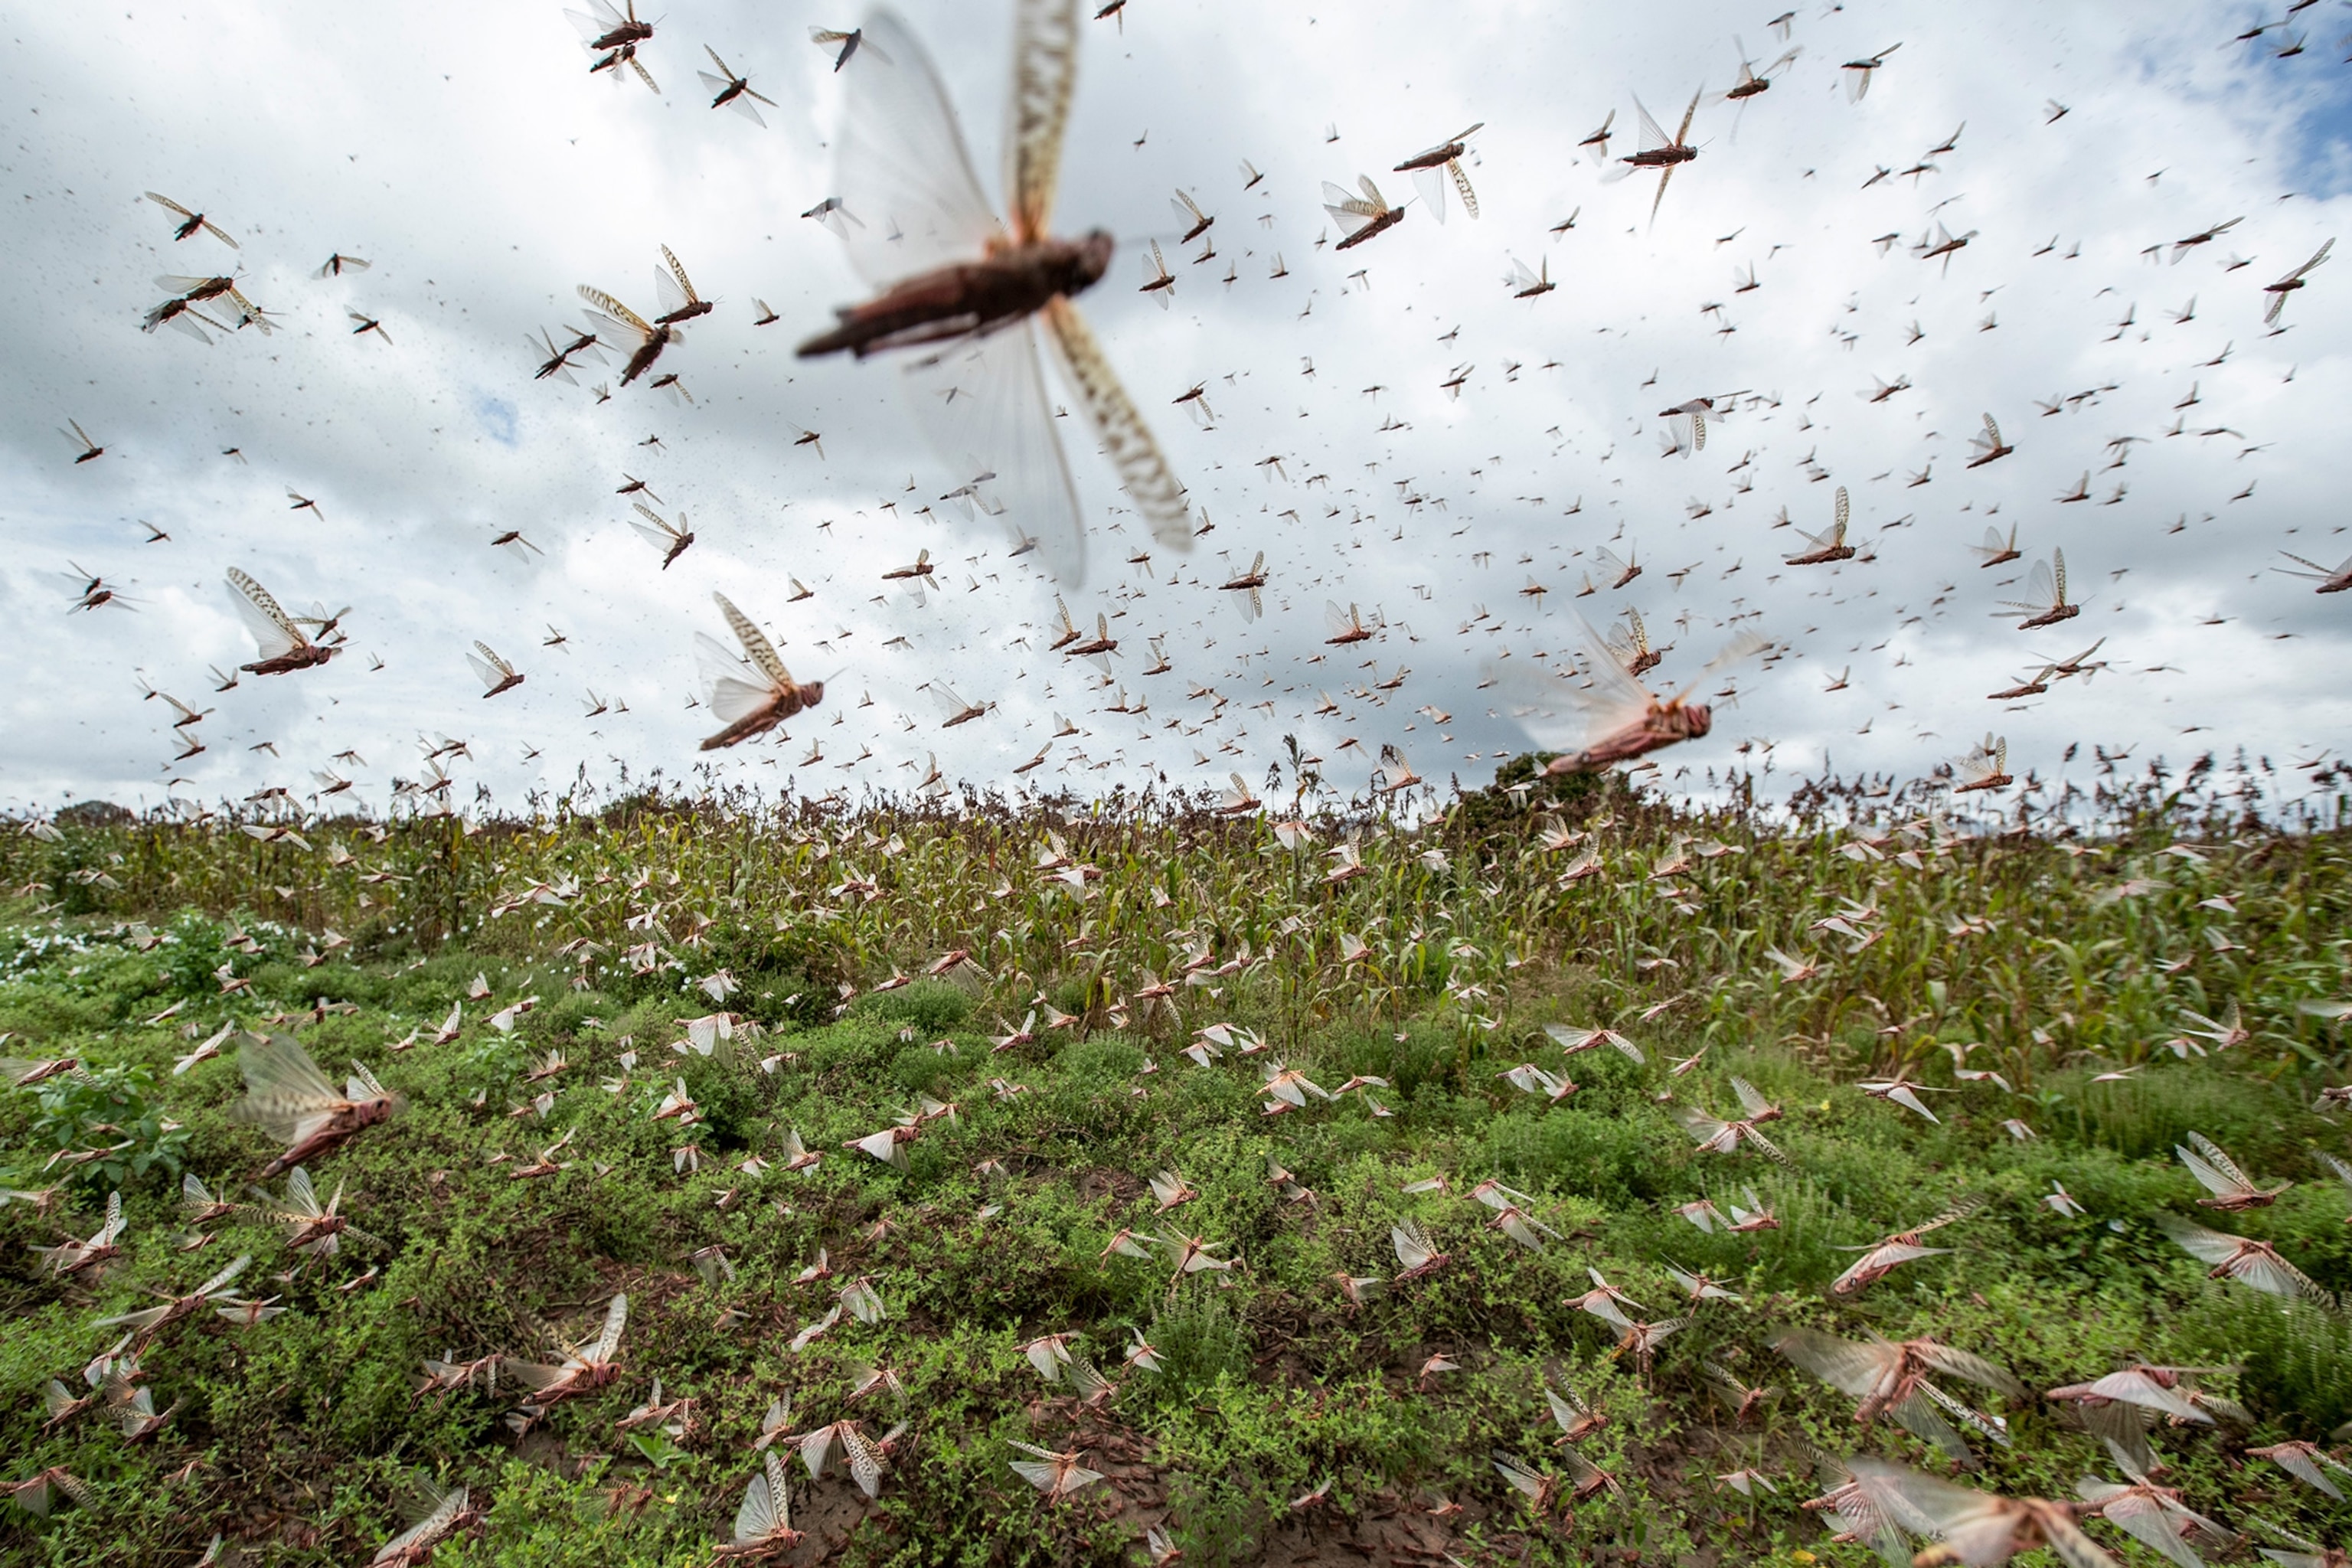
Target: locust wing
(1565, 714)
(767, 1505)
(627, 327)
(902, 164)
(726, 681)
(608, 1338)
(1142, 470)
(286, 1094)
(983, 406)
(755, 642)
(1045, 71)
(271, 627)
(442, 1509)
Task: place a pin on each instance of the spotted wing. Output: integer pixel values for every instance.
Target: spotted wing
(671, 278)
(1044, 70)
(271, 627)
(863, 1459)
(608, 1339)
(901, 164)
(611, 315)
(755, 642)
(1143, 470)
(1462, 187)
(983, 406)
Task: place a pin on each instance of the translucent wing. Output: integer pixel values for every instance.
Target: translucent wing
(1653, 135)
(757, 1518)
(983, 406)
(286, 1094)
(2136, 1387)
(1144, 471)
(1845, 1366)
(220, 1281)
(2058, 574)
(2041, 584)
(755, 641)
(446, 1506)
(1352, 212)
(484, 672)
(1046, 1477)
(1522, 1480)
(655, 530)
(902, 162)
(1557, 711)
(598, 20)
(2143, 1519)
(1044, 70)
(816, 1448)
(301, 1197)
(1567, 1413)
(2215, 1169)
(669, 284)
(270, 625)
(1431, 183)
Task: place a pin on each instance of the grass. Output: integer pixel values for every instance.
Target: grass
(2054, 948)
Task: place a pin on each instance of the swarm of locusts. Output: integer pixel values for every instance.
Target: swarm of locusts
(1509, 1176)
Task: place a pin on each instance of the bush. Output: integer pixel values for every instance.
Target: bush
(107, 1111)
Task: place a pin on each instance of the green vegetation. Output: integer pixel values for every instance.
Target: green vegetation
(2123, 933)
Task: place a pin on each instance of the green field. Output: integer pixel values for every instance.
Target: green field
(2120, 930)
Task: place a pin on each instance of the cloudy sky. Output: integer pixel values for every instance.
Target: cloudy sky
(466, 153)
